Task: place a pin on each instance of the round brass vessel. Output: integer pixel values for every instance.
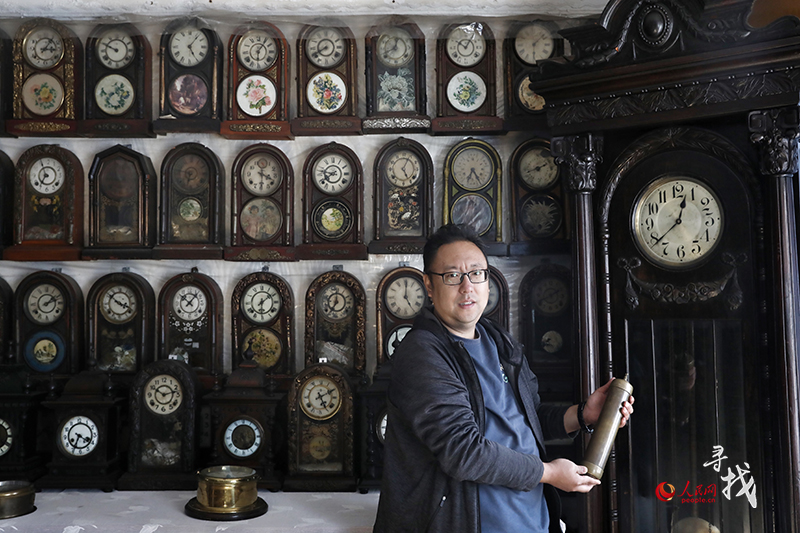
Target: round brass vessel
(227, 488)
(16, 498)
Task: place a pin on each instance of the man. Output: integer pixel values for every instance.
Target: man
(464, 447)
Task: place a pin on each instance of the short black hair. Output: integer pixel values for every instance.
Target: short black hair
(448, 234)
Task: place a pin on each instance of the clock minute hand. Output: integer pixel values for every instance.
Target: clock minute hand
(677, 221)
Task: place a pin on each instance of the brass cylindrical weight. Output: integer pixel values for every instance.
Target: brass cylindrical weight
(605, 430)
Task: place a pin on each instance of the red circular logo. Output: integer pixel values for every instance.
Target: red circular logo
(665, 491)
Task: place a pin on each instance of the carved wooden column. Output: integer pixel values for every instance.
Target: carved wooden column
(775, 133)
(580, 155)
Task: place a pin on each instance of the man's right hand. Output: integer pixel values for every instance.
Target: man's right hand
(565, 475)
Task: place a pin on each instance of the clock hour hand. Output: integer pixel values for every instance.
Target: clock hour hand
(677, 221)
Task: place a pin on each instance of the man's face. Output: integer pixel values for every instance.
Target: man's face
(458, 306)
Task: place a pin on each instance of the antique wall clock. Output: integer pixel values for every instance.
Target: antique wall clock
(6, 80)
(85, 433)
(244, 423)
(497, 308)
(327, 82)
(163, 423)
(192, 204)
(6, 201)
(48, 206)
(191, 72)
(20, 457)
(121, 325)
(190, 323)
(396, 90)
(403, 197)
(540, 220)
(7, 356)
(472, 176)
(49, 332)
(465, 81)
(321, 429)
(262, 199)
(545, 296)
(118, 85)
(258, 84)
(333, 204)
(528, 43)
(400, 298)
(48, 80)
(262, 307)
(336, 322)
(122, 205)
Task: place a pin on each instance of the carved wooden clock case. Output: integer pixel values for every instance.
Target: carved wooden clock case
(395, 55)
(497, 308)
(333, 204)
(163, 419)
(20, 456)
(245, 426)
(466, 81)
(262, 202)
(7, 200)
(48, 80)
(119, 86)
(321, 429)
(122, 205)
(192, 204)
(336, 323)
(85, 435)
(191, 78)
(327, 82)
(262, 306)
(258, 84)
(48, 206)
(401, 295)
(403, 197)
(6, 80)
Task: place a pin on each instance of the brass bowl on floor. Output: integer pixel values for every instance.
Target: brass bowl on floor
(16, 498)
(226, 493)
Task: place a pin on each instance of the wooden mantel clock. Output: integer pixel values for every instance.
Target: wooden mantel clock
(48, 206)
(396, 84)
(48, 80)
(122, 205)
(258, 84)
(20, 457)
(118, 83)
(401, 296)
(327, 82)
(191, 72)
(465, 81)
(333, 204)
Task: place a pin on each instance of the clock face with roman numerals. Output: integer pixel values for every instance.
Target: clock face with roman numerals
(320, 398)
(333, 173)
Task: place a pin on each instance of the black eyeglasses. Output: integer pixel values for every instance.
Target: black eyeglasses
(480, 275)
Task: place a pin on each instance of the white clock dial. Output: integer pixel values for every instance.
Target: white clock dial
(115, 48)
(320, 397)
(45, 303)
(381, 425)
(163, 394)
(333, 173)
(46, 175)
(405, 297)
(261, 174)
(335, 301)
(256, 50)
(261, 302)
(6, 437)
(189, 303)
(79, 436)
(325, 47)
(473, 169)
(538, 169)
(118, 304)
(466, 45)
(243, 437)
(188, 46)
(677, 221)
(403, 168)
(395, 338)
(395, 47)
(43, 47)
(550, 296)
(534, 42)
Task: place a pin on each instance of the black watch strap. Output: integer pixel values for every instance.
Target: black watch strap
(581, 421)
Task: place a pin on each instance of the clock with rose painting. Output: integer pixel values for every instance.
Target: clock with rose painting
(258, 84)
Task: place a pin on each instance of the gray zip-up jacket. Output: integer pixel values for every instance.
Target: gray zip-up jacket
(435, 452)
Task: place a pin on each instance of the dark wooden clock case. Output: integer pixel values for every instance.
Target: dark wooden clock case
(502, 310)
(7, 355)
(449, 120)
(208, 118)
(64, 121)
(282, 325)
(408, 121)
(6, 81)
(136, 121)
(387, 322)
(351, 244)
(171, 246)
(372, 405)
(275, 124)
(132, 213)
(343, 121)
(279, 247)
(90, 394)
(20, 406)
(416, 198)
(63, 210)
(6, 200)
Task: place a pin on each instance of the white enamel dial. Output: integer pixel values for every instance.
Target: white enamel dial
(395, 47)
(261, 174)
(118, 304)
(335, 301)
(45, 303)
(115, 48)
(43, 47)
(325, 47)
(466, 45)
(333, 173)
(405, 297)
(473, 169)
(256, 50)
(188, 46)
(163, 394)
(403, 168)
(320, 397)
(189, 303)
(243, 437)
(261, 302)
(79, 436)
(534, 42)
(46, 175)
